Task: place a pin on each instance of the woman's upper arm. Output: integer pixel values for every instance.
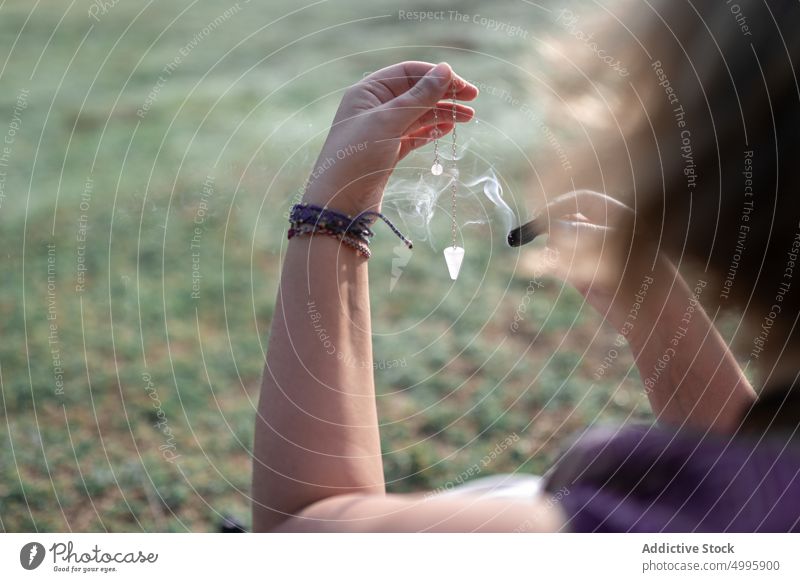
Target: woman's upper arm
(434, 513)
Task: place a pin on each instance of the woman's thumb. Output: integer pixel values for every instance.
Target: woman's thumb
(425, 93)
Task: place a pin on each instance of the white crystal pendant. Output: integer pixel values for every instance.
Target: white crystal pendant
(437, 169)
(454, 256)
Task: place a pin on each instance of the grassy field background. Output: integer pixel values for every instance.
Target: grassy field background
(127, 403)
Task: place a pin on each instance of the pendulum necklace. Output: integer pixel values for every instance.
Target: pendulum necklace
(454, 254)
(436, 168)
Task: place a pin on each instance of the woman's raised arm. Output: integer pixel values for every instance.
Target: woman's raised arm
(316, 431)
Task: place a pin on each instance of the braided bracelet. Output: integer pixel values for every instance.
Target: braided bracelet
(303, 229)
(307, 219)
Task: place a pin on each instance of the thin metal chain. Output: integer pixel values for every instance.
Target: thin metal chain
(435, 136)
(453, 183)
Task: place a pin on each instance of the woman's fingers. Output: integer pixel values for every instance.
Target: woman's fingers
(423, 137)
(401, 77)
(401, 113)
(573, 252)
(443, 114)
(596, 207)
(577, 232)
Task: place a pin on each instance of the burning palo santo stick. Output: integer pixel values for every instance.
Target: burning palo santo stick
(525, 233)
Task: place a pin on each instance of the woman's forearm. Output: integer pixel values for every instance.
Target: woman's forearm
(317, 431)
(689, 373)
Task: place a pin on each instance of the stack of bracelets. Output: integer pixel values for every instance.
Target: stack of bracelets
(308, 219)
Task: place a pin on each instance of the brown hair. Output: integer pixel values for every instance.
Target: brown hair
(698, 130)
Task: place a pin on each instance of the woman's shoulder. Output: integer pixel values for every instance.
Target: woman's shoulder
(646, 478)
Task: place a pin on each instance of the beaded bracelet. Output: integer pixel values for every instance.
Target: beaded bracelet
(308, 229)
(307, 219)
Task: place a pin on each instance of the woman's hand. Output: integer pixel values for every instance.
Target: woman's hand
(380, 120)
(580, 247)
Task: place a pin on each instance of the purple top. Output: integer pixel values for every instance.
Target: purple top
(649, 479)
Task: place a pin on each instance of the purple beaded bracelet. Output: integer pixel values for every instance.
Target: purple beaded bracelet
(307, 219)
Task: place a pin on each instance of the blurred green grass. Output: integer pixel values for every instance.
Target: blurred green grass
(249, 107)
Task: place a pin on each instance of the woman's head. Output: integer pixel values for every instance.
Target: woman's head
(699, 133)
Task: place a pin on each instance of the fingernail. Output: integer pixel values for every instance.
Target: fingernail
(442, 73)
